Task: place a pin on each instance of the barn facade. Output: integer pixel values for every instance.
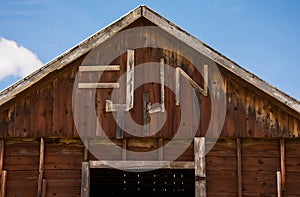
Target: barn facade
(143, 108)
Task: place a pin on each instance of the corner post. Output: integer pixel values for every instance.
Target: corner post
(85, 182)
(200, 167)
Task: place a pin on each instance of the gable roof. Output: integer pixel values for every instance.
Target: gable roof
(110, 30)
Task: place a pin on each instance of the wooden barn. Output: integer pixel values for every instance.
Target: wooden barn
(86, 124)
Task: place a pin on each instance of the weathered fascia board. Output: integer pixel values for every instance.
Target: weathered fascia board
(70, 55)
(139, 165)
(220, 59)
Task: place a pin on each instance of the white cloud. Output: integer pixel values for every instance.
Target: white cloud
(16, 60)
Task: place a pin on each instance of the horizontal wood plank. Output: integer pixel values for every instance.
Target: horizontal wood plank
(136, 165)
(99, 68)
(98, 85)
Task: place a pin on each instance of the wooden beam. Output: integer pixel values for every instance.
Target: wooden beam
(3, 183)
(41, 168)
(2, 143)
(194, 83)
(85, 182)
(99, 68)
(200, 167)
(239, 166)
(282, 163)
(279, 189)
(98, 85)
(142, 165)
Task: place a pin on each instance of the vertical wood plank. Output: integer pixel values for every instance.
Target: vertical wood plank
(1, 155)
(162, 84)
(279, 191)
(282, 163)
(3, 183)
(124, 150)
(4, 124)
(56, 118)
(161, 149)
(146, 127)
(41, 168)
(85, 182)
(200, 167)
(239, 166)
(85, 150)
(130, 79)
(177, 85)
(44, 190)
(296, 128)
(11, 120)
(283, 123)
(120, 123)
(205, 78)
(3, 173)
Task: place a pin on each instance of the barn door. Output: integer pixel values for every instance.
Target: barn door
(178, 178)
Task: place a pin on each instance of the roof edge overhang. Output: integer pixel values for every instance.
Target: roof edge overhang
(113, 28)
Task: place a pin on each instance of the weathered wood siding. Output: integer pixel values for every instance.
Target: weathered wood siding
(63, 159)
(62, 167)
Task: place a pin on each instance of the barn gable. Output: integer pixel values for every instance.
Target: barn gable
(44, 151)
(261, 109)
(144, 12)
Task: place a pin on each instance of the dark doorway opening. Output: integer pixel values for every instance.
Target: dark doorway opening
(161, 182)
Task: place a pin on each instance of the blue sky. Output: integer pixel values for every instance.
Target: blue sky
(261, 36)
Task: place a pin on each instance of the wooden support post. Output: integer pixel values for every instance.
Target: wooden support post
(124, 150)
(162, 84)
(85, 150)
(146, 126)
(177, 85)
(205, 85)
(130, 80)
(2, 143)
(44, 190)
(161, 149)
(200, 167)
(279, 189)
(2, 173)
(3, 183)
(239, 166)
(85, 182)
(41, 168)
(282, 163)
(120, 124)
